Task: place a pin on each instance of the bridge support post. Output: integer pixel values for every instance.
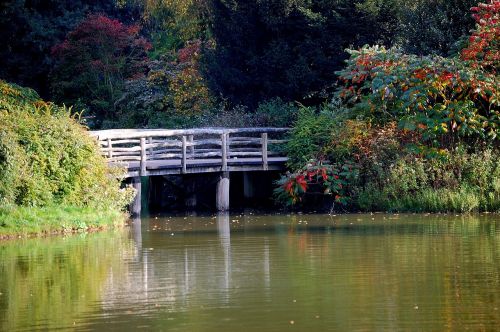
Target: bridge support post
(222, 198)
(135, 206)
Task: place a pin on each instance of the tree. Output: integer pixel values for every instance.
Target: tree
(288, 49)
(170, 24)
(434, 26)
(93, 63)
(29, 29)
(172, 94)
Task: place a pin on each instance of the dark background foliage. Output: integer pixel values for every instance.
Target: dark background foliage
(251, 51)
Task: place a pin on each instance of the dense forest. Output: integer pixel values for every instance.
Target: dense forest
(131, 63)
(394, 105)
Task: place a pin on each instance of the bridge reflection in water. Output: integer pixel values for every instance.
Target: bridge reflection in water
(159, 152)
(186, 265)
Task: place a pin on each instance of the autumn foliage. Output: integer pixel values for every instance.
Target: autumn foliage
(94, 61)
(316, 177)
(402, 109)
(484, 43)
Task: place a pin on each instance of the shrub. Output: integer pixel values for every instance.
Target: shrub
(276, 113)
(310, 134)
(317, 178)
(47, 157)
(461, 181)
(443, 99)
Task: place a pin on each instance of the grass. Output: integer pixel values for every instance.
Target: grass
(462, 200)
(19, 221)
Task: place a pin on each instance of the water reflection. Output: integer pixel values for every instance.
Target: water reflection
(228, 272)
(224, 233)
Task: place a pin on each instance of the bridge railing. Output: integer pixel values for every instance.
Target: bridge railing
(138, 148)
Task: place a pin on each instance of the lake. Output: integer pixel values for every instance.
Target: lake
(257, 272)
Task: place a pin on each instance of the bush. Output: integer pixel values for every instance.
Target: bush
(393, 171)
(443, 99)
(312, 132)
(276, 113)
(47, 157)
(461, 181)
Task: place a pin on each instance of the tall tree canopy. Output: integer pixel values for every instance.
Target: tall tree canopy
(286, 48)
(30, 28)
(94, 61)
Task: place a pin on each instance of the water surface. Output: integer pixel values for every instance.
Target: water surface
(260, 273)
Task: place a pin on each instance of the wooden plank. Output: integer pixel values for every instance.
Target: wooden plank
(248, 153)
(242, 143)
(122, 149)
(126, 141)
(264, 151)
(190, 144)
(138, 133)
(143, 156)
(126, 153)
(125, 158)
(151, 148)
(159, 156)
(165, 144)
(208, 154)
(200, 142)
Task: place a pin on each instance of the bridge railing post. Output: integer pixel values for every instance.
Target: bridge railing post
(191, 145)
(110, 149)
(184, 157)
(224, 151)
(150, 142)
(264, 140)
(143, 156)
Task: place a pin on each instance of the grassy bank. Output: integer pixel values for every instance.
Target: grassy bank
(23, 221)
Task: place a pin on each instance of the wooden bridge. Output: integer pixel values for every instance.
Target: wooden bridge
(152, 152)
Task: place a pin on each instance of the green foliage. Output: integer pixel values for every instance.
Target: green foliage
(316, 178)
(313, 132)
(460, 182)
(170, 24)
(433, 26)
(173, 94)
(394, 171)
(443, 99)
(421, 131)
(276, 113)
(47, 158)
(284, 48)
